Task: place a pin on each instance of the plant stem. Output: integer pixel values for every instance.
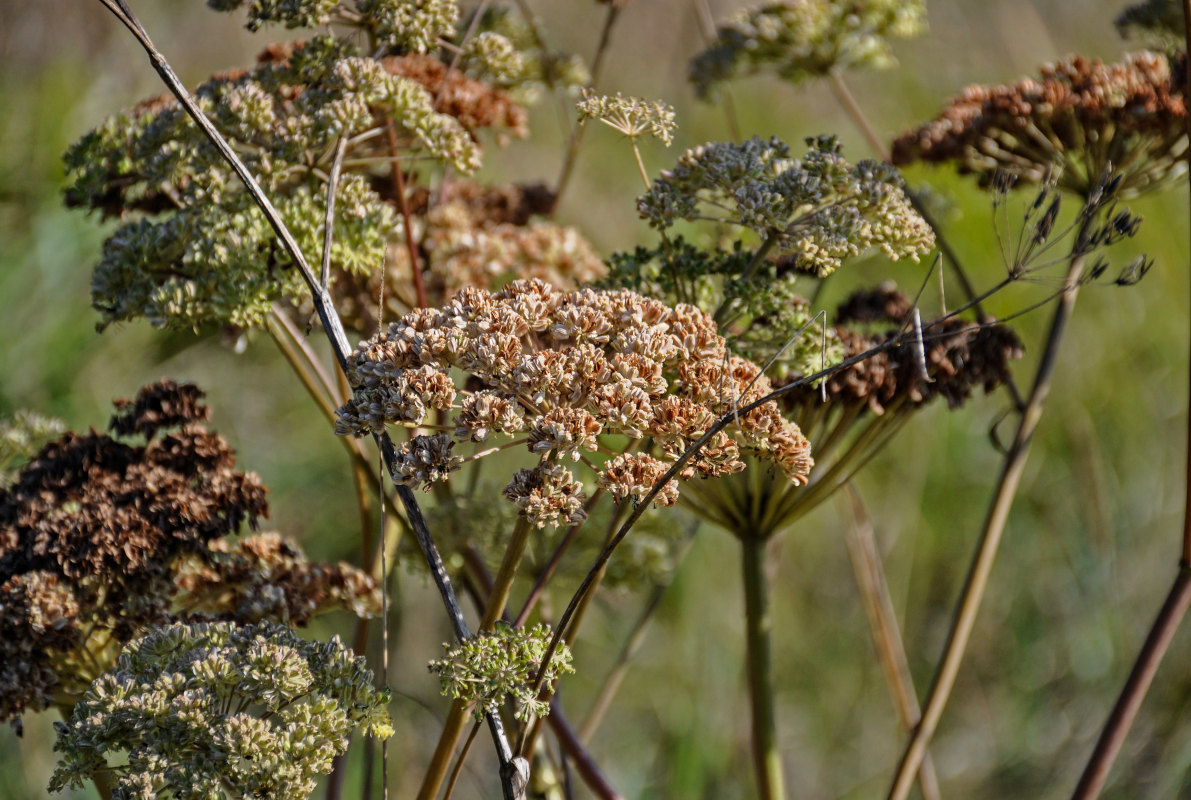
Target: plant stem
(767, 760)
(1129, 702)
(572, 152)
(411, 247)
(994, 525)
(887, 638)
(498, 598)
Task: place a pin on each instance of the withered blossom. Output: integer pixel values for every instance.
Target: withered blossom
(1080, 116)
(570, 368)
(100, 537)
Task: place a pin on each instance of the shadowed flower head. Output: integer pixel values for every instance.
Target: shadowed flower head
(1157, 23)
(568, 369)
(1080, 118)
(958, 355)
(804, 39)
(220, 711)
(99, 538)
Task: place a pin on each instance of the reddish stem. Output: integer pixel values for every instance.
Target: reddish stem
(411, 247)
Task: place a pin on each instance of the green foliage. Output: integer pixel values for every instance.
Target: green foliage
(501, 664)
(219, 711)
(805, 39)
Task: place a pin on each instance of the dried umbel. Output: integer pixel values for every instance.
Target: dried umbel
(220, 711)
(100, 537)
(568, 369)
(958, 355)
(804, 39)
(817, 210)
(1080, 119)
(500, 665)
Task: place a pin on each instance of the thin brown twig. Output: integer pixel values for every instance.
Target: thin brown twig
(573, 141)
(1129, 702)
(411, 247)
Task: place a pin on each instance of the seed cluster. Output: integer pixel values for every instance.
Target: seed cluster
(568, 369)
(1080, 114)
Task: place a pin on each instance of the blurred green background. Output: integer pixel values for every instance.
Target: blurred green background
(1087, 557)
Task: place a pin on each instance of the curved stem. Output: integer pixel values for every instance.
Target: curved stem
(767, 760)
(994, 525)
(498, 598)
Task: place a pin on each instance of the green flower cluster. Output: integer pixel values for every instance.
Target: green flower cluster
(205, 255)
(491, 666)
(398, 26)
(804, 39)
(219, 711)
(818, 210)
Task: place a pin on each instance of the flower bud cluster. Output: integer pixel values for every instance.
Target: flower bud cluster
(817, 210)
(220, 711)
(1080, 115)
(804, 39)
(489, 668)
(568, 369)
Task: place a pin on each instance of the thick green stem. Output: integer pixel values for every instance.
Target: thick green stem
(767, 761)
(498, 598)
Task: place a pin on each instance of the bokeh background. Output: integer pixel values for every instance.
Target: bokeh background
(1086, 560)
